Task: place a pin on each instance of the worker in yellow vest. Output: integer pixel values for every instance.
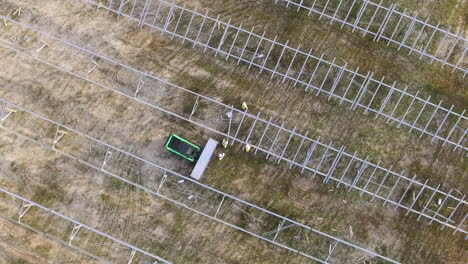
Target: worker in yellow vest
(247, 147)
(244, 106)
(225, 143)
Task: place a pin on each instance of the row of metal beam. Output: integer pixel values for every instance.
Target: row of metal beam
(25, 205)
(417, 114)
(283, 144)
(166, 190)
(396, 27)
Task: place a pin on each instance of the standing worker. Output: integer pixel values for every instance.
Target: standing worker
(247, 147)
(244, 106)
(221, 156)
(225, 143)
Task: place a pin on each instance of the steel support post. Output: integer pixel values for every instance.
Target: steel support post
(132, 255)
(58, 135)
(385, 102)
(324, 9)
(298, 150)
(442, 123)
(462, 57)
(417, 197)
(268, 54)
(384, 23)
(324, 156)
(372, 18)
(223, 38)
(423, 52)
(396, 27)
(139, 86)
(313, 74)
(257, 49)
(370, 179)
(259, 144)
(179, 19)
(252, 128)
(279, 59)
(359, 174)
(194, 108)
(362, 90)
(233, 44)
(460, 140)
(110, 4)
(170, 14)
(74, 232)
(346, 170)
(430, 119)
(454, 127)
(219, 206)
(408, 32)
(418, 36)
(382, 183)
(309, 154)
(245, 45)
(441, 205)
(419, 114)
(286, 146)
(405, 192)
(393, 189)
(200, 30)
(230, 120)
(337, 81)
(274, 140)
(280, 226)
(107, 157)
(439, 47)
(25, 206)
(163, 179)
(336, 12)
(189, 25)
(122, 3)
(373, 95)
(428, 202)
(402, 119)
(347, 15)
(359, 15)
(349, 85)
(334, 164)
(330, 251)
(453, 212)
(460, 225)
(325, 78)
(5, 113)
(451, 50)
(291, 63)
(240, 124)
(396, 105)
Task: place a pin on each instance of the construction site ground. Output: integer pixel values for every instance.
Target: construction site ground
(171, 231)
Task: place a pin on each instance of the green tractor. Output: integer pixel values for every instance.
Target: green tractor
(182, 147)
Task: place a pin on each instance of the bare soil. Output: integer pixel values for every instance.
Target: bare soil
(160, 227)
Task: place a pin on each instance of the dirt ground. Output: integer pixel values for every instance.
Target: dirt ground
(21, 245)
(124, 211)
(119, 210)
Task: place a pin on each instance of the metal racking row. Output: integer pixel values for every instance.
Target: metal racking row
(276, 141)
(372, 96)
(182, 190)
(75, 227)
(399, 28)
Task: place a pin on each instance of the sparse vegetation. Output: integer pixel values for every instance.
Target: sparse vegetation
(172, 231)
